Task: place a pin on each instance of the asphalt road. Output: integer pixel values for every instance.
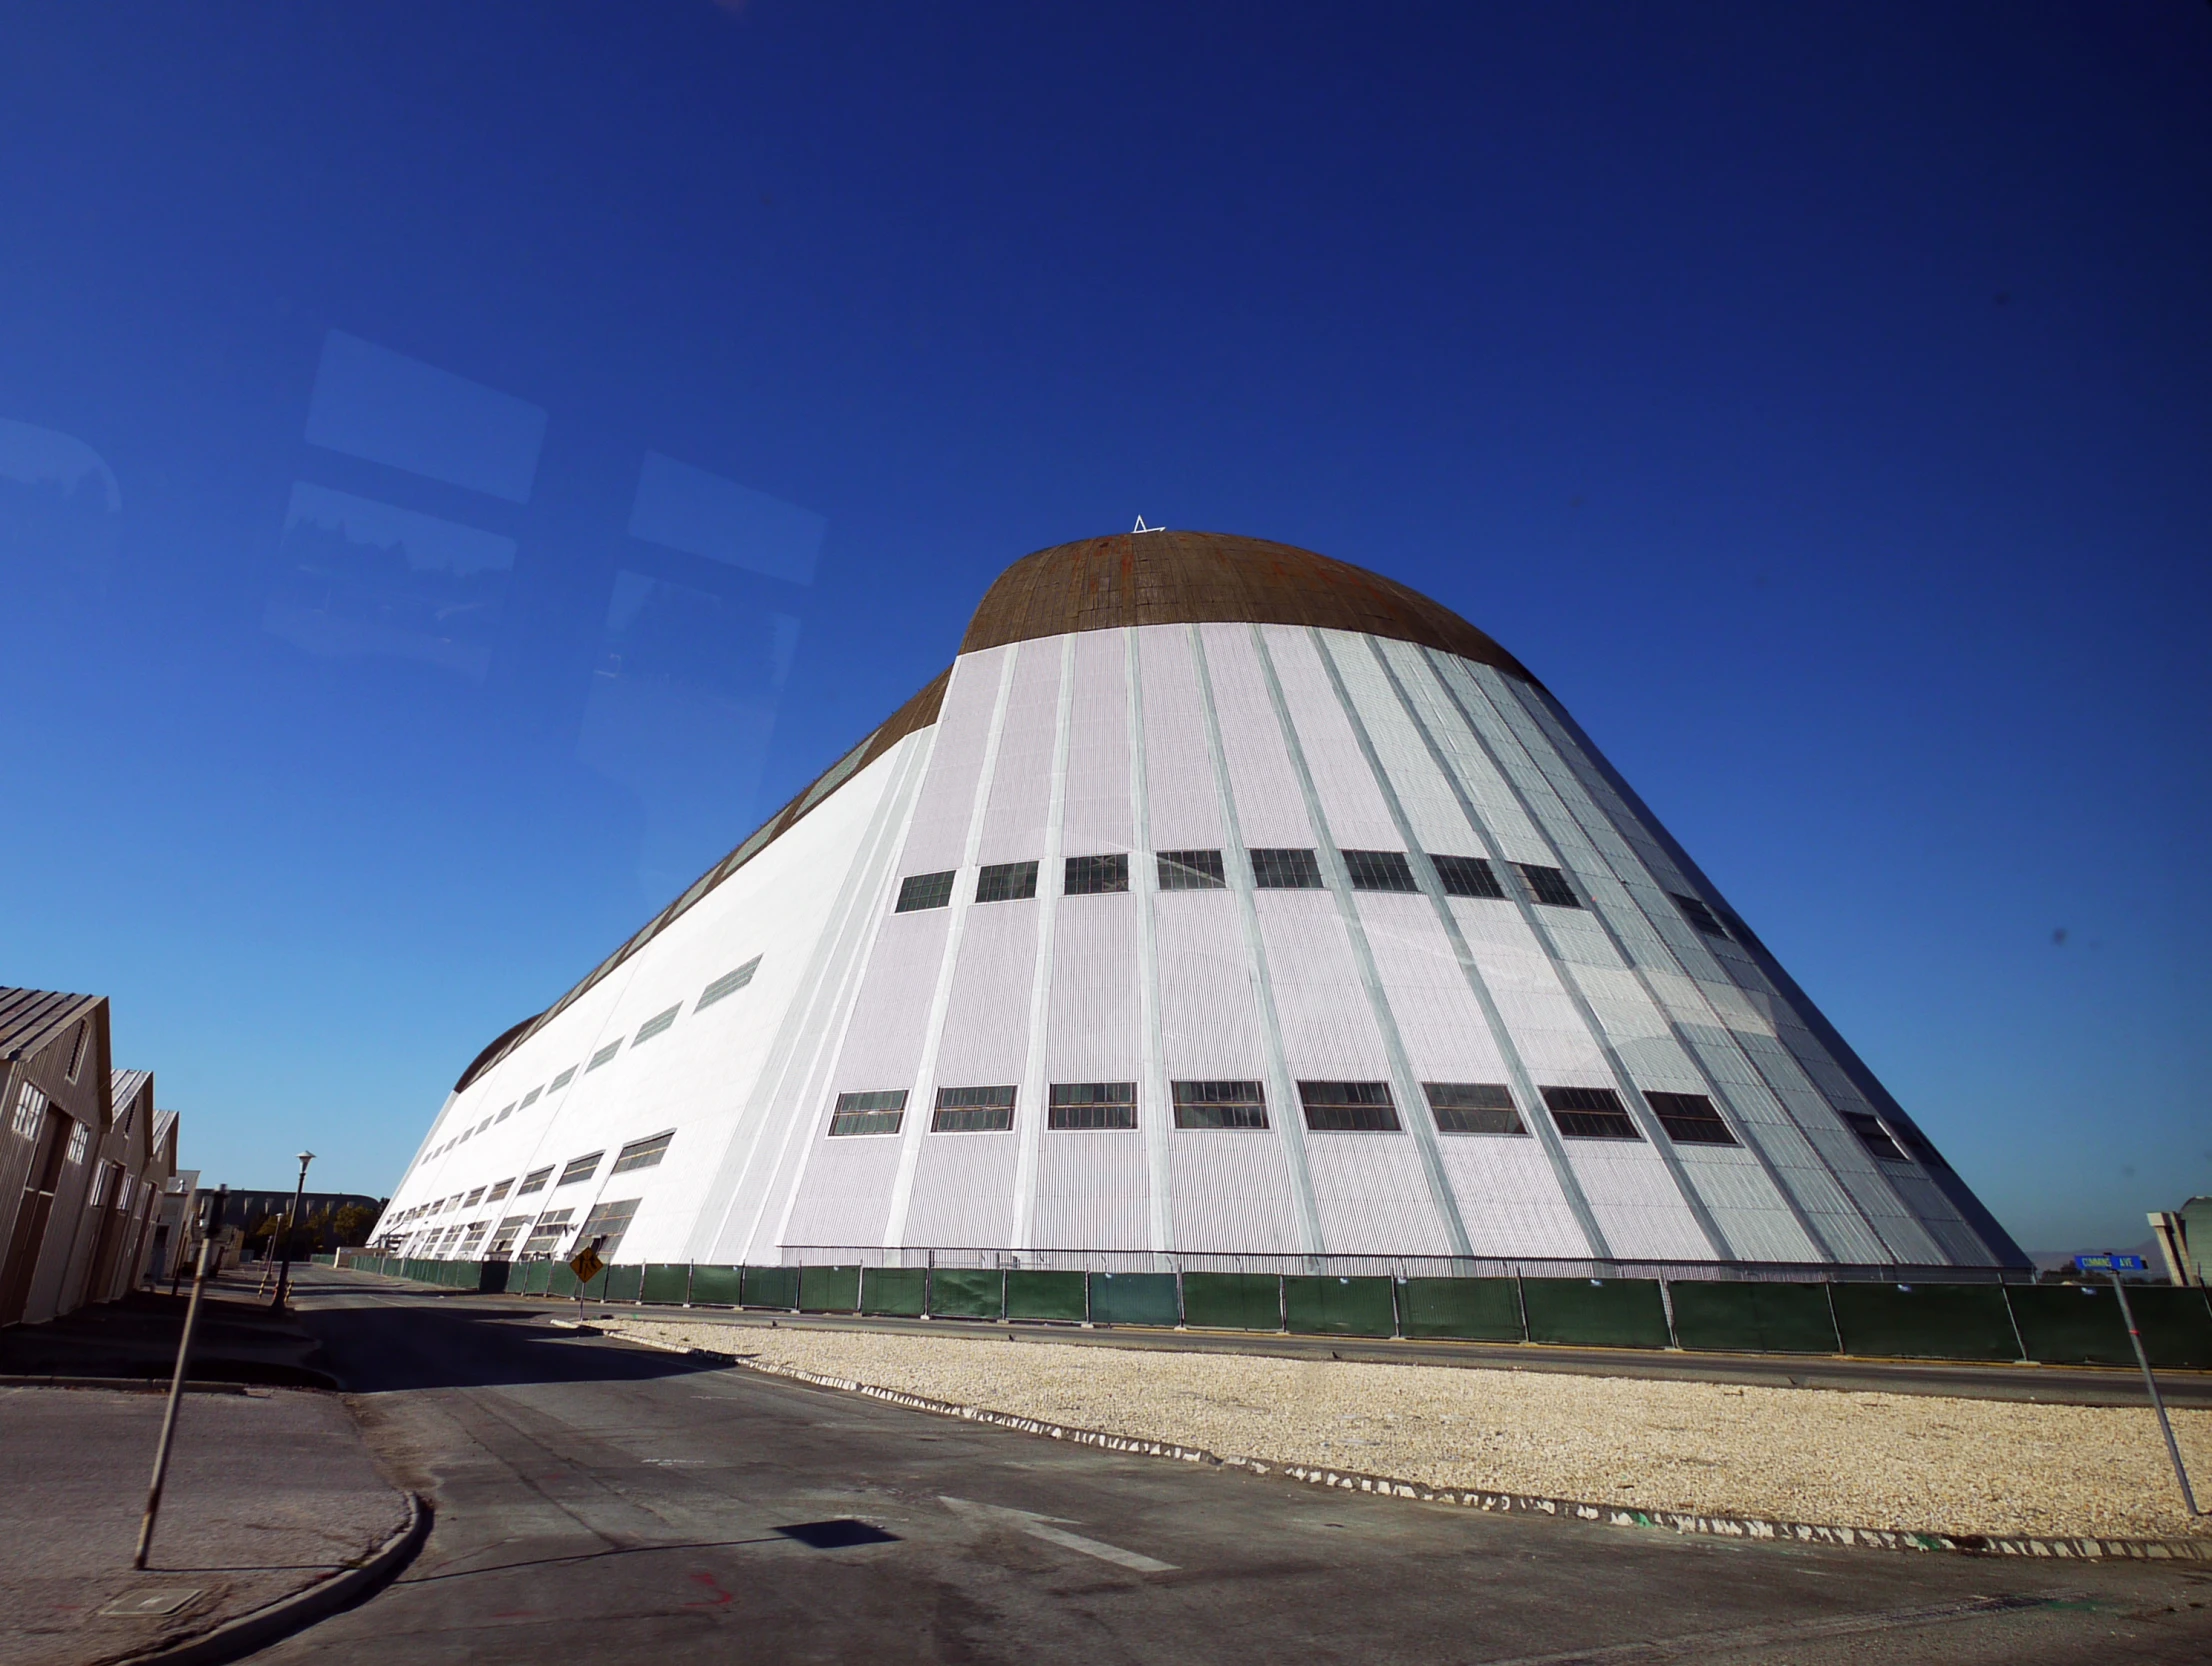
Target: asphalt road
(600, 1503)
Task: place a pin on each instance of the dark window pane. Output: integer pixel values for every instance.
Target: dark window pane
(879, 1112)
(1091, 876)
(1472, 1107)
(608, 1221)
(1549, 885)
(1083, 1105)
(1379, 870)
(582, 1168)
(924, 890)
(1589, 1114)
(1191, 870)
(534, 1181)
(1006, 882)
(729, 983)
(1874, 1136)
(1349, 1107)
(655, 1024)
(1689, 1118)
(1220, 1105)
(641, 1154)
(1700, 916)
(1467, 876)
(974, 1110)
(1285, 870)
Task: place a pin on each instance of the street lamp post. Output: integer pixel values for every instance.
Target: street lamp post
(291, 1225)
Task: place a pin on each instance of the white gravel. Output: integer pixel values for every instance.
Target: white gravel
(1906, 1462)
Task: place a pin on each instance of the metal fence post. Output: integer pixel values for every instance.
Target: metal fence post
(2165, 1424)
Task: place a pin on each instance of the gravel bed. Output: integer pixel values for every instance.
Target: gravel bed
(1906, 1462)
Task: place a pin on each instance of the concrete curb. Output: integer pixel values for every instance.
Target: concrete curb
(1513, 1503)
(125, 1385)
(295, 1613)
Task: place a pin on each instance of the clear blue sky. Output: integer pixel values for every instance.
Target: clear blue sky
(461, 465)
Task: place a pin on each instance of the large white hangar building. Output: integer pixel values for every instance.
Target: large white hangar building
(1221, 900)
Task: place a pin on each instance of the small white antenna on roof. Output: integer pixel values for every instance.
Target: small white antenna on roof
(1141, 527)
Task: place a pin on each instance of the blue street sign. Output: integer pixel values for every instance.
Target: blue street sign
(2110, 1262)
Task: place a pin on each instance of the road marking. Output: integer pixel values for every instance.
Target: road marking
(1040, 1527)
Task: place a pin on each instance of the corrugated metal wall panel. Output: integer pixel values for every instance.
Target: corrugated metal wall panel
(1096, 817)
(1509, 1197)
(1232, 1191)
(964, 1189)
(1372, 1196)
(939, 832)
(1185, 812)
(986, 1039)
(1357, 816)
(1329, 1029)
(1210, 1026)
(846, 1194)
(1092, 1032)
(1270, 808)
(1093, 1191)
(1021, 780)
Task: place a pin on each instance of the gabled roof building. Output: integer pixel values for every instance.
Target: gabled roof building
(1221, 905)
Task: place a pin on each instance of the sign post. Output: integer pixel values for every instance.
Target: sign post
(2165, 1424)
(176, 1382)
(586, 1265)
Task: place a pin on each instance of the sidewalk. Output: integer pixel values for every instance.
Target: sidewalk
(271, 1490)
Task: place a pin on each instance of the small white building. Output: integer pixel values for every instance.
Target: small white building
(1222, 905)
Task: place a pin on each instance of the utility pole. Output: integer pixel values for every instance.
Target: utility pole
(176, 1382)
(291, 1225)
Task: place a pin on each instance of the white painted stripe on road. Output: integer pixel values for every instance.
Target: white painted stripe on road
(1091, 1547)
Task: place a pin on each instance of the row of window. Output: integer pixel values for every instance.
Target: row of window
(1329, 1108)
(727, 984)
(1272, 870)
(638, 1154)
(605, 1225)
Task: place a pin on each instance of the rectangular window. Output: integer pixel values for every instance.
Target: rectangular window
(641, 1154)
(1088, 1105)
(1379, 870)
(1349, 1107)
(1192, 870)
(1006, 882)
(80, 1141)
(499, 1191)
(562, 1080)
(1468, 876)
(1589, 1114)
(1874, 1136)
(869, 1113)
(101, 1174)
(1548, 886)
(551, 1228)
(603, 1055)
(1473, 1108)
(654, 1025)
(1219, 1105)
(973, 1110)
(531, 1098)
(580, 1168)
(1094, 876)
(729, 983)
(609, 1221)
(1285, 870)
(504, 1239)
(1700, 916)
(1689, 1118)
(76, 1051)
(501, 1117)
(30, 1111)
(473, 1199)
(918, 891)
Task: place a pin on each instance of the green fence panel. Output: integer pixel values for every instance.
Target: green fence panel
(829, 1289)
(894, 1292)
(1595, 1312)
(2176, 1324)
(1134, 1299)
(1753, 1317)
(966, 1293)
(596, 1289)
(666, 1282)
(1331, 1306)
(491, 1277)
(625, 1284)
(1467, 1309)
(1036, 1294)
(467, 1275)
(2070, 1324)
(560, 1280)
(1233, 1301)
(535, 1277)
(717, 1286)
(1925, 1321)
(770, 1287)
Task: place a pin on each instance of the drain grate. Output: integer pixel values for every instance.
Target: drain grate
(836, 1535)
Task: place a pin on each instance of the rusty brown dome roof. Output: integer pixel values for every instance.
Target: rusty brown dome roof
(1182, 578)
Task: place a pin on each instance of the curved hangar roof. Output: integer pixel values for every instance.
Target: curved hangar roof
(1128, 578)
(1188, 578)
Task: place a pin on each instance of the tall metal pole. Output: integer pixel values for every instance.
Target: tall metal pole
(2165, 1424)
(176, 1385)
(291, 1225)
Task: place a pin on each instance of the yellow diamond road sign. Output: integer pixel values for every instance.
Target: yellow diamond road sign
(586, 1265)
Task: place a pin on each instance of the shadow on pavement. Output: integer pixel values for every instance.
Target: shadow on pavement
(239, 1340)
(424, 1343)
